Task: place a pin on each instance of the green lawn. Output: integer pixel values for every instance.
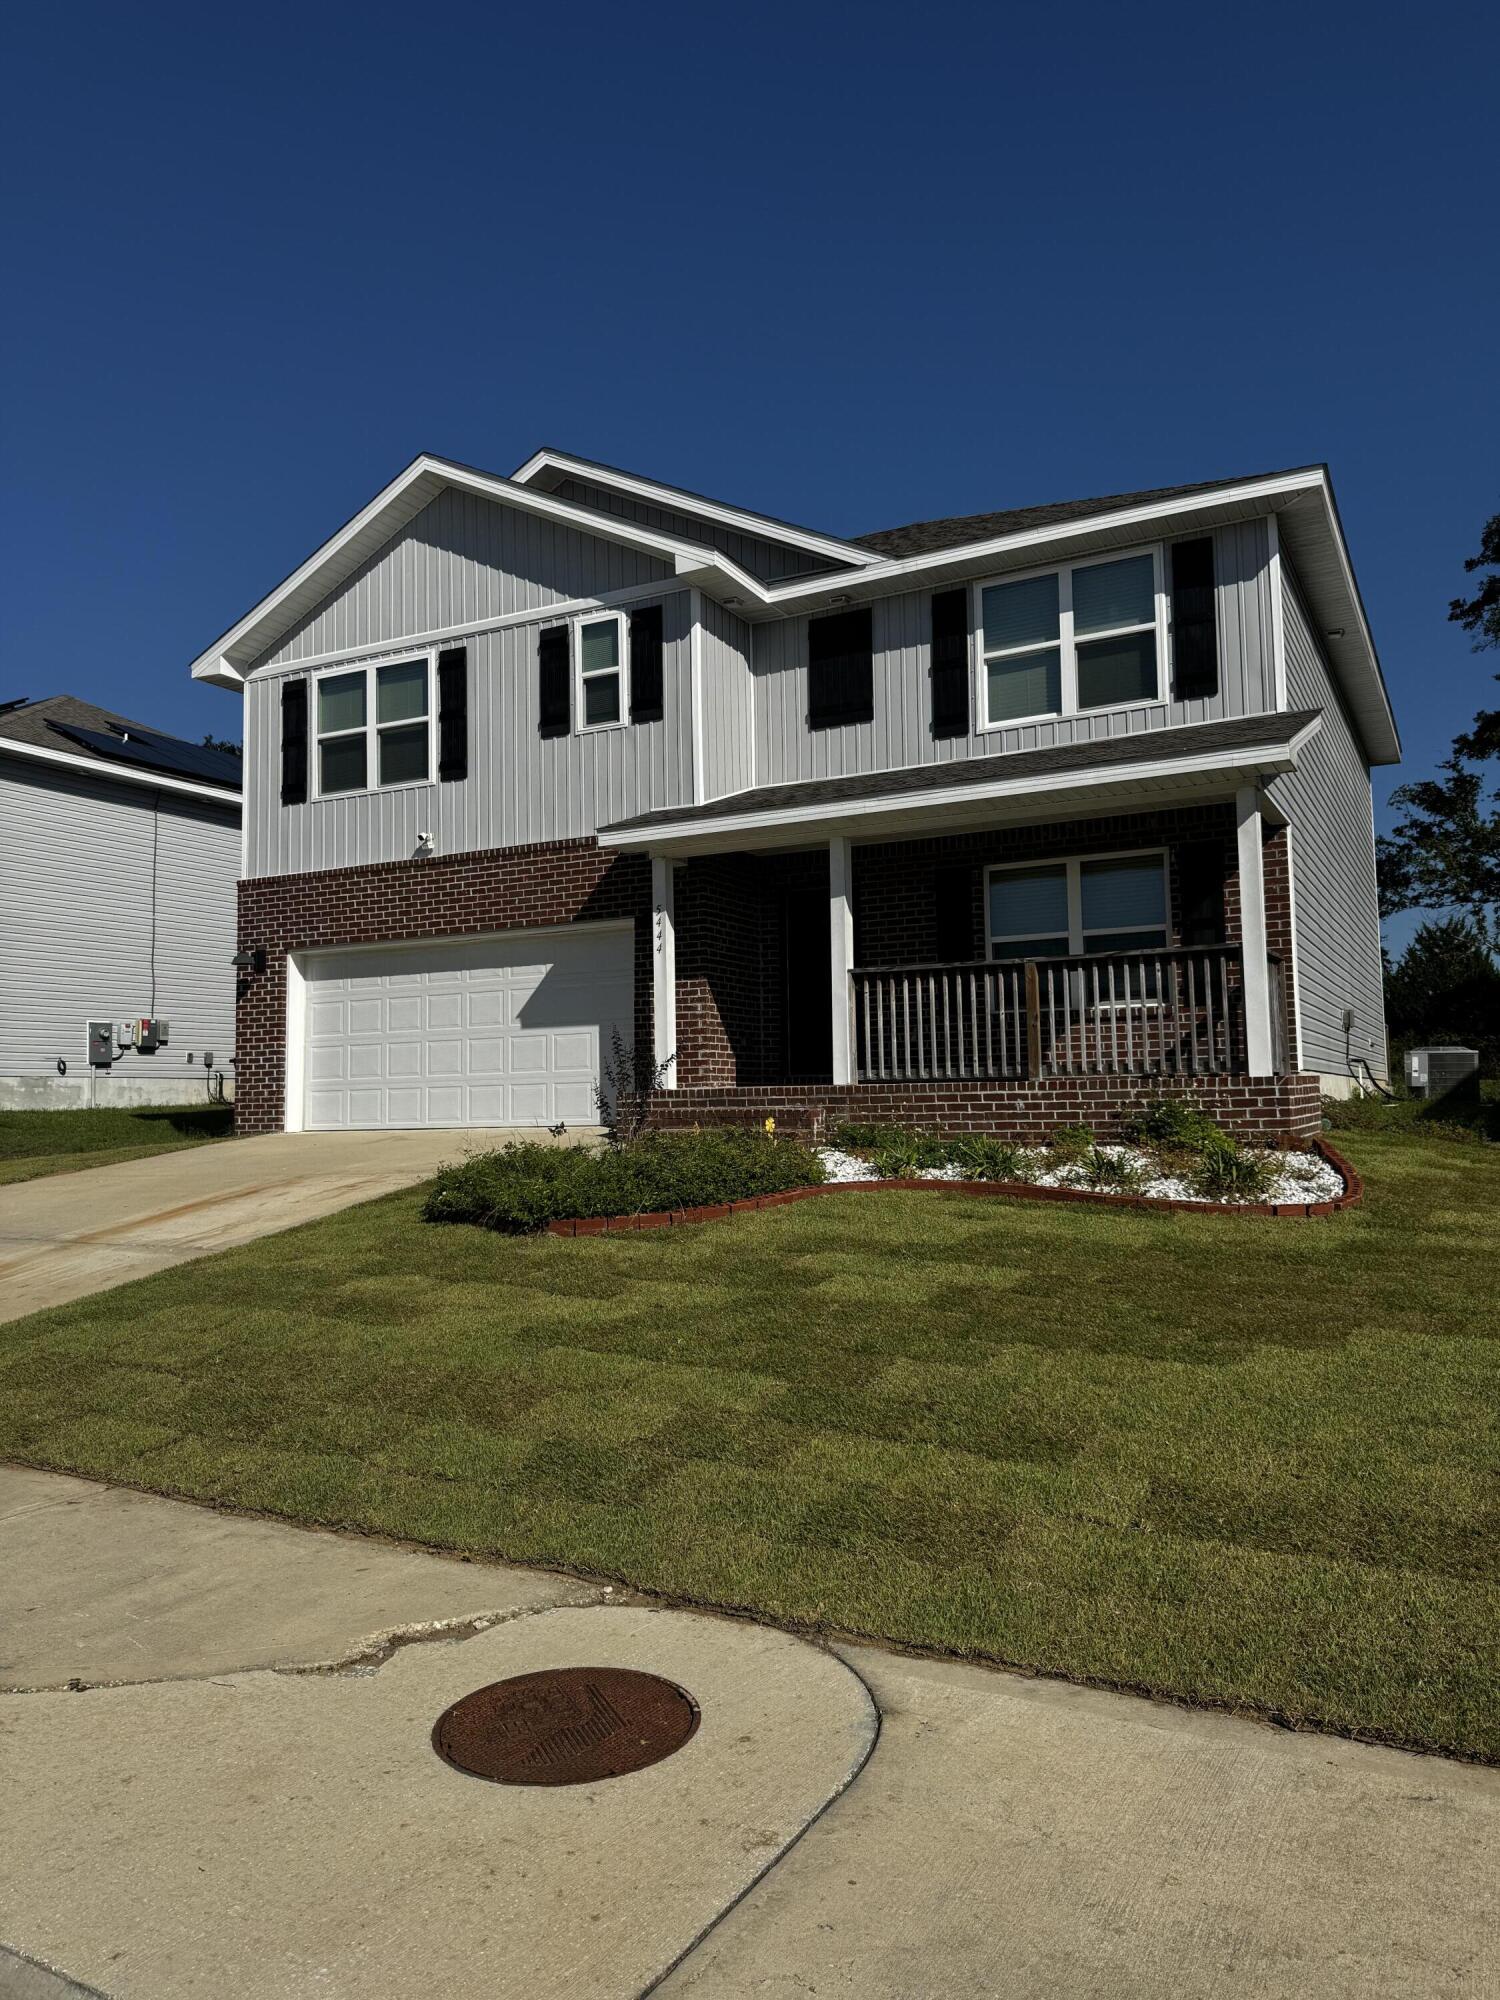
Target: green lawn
(1235, 1460)
(33, 1143)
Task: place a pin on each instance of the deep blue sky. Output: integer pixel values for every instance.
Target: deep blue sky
(850, 265)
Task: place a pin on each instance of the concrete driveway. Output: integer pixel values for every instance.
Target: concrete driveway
(217, 1774)
(70, 1234)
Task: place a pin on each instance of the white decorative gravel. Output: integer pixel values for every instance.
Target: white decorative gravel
(1303, 1176)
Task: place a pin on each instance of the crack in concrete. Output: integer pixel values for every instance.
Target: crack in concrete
(365, 1656)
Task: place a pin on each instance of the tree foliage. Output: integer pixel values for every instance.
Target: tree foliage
(1445, 989)
(223, 743)
(1444, 853)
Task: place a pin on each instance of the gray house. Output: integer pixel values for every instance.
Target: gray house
(119, 850)
(1002, 821)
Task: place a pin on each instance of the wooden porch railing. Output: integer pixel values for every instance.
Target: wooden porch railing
(1139, 1013)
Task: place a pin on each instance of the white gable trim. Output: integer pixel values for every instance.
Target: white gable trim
(673, 499)
(374, 525)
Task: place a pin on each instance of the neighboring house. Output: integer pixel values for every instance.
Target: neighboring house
(999, 821)
(119, 849)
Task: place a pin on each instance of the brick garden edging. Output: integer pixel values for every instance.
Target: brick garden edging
(613, 1225)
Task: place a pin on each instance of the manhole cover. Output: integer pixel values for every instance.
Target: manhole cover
(568, 1726)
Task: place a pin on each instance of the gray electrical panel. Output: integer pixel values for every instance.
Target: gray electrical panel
(1441, 1072)
(101, 1044)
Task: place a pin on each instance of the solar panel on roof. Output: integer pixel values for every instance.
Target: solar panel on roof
(159, 753)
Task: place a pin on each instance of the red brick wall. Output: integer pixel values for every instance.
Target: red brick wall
(456, 895)
(1264, 1108)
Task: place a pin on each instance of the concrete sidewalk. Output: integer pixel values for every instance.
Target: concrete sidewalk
(67, 1235)
(220, 1821)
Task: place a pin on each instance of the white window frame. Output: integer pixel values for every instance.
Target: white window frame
(1072, 866)
(621, 623)
(408, 656)
(1066, 643)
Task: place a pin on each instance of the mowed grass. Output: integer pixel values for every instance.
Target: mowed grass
(1233, 1460)
(34, 1143)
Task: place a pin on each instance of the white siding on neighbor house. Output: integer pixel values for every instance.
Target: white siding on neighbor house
(728, 694)
(900, 733)
(1336, 924)
(521, 786)
(99, 880)
(462, 558)
(771, 561)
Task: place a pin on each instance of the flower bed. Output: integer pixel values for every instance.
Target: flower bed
(1173, 1157)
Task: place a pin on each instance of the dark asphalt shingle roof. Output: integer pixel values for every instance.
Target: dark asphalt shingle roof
(53, 723)
(1242, 732)
(922, 538)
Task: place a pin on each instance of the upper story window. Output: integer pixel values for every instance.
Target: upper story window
(1086, 636)
(603, 699)
(374, 727)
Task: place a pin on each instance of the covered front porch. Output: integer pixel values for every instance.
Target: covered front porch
(982, 962)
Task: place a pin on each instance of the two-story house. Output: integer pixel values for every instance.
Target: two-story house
(1000, 821)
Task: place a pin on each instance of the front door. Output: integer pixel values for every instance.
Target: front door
(808, 969)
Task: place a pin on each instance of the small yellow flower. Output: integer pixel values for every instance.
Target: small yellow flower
(770, 1128)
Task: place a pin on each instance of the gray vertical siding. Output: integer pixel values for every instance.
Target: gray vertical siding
(728, 732)
(769, 560)
(462, 559)
(1336, 924)
(900, 734)
(76, 930)
(521, 786)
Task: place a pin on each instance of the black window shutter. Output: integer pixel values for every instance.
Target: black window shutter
(645, 664)
(453, 713)
(1201, 870)
(1195, 631)
(294, 742)
(950, 663)
(554, 706)
(953, 912)
(840, 669)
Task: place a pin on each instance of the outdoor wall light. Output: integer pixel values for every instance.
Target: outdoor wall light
(249, 961)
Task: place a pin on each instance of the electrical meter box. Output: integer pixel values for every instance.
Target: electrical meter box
(101, 1044)
(146, 1037)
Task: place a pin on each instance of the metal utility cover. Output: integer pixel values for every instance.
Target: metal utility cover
(565, 1726)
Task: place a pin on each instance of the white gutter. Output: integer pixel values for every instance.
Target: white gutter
(101, 767)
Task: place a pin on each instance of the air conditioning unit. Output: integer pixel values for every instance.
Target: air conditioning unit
(1436, 1073)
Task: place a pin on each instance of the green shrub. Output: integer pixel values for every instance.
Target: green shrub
(1226, 1171)
(896, 1152)
(979, 1158)
(1174, 1124)
(1115, 1176)
(523, 1187)
(1072, 1144)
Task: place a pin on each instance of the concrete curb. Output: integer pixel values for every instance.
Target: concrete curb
(614, 1225)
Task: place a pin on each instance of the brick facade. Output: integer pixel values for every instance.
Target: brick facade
(457, 895)
(737, 1040)
(1262, 1109)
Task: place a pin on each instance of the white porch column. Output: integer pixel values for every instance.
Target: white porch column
(841, 954)
(663, 969)
(1258, 1042)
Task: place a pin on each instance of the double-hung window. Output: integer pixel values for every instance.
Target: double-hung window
(1085, 636)
(374, 727)
(603, 698)
(1066, 909)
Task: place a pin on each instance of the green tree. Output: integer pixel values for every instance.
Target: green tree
(221, 743)
(1445, 988)
(1444, 852)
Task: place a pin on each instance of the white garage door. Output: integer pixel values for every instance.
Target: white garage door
(493, 1031)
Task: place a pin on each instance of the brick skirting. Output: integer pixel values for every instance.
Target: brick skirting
(458, 895)
(1264, 1109)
